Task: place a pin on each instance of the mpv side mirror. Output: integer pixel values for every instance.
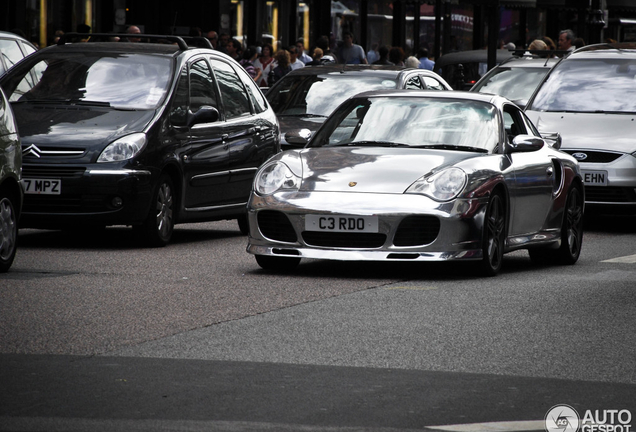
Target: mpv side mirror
(205, 114)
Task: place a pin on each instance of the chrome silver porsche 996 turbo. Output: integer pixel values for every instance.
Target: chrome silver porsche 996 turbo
(419, 176)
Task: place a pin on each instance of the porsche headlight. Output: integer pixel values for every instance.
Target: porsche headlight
(441, 186)
(274, 177)
(124, 148)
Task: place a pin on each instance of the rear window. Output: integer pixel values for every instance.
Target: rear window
(320, 95)
(583, 85)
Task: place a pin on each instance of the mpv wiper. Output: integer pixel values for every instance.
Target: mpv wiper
(64, 102)
(453, 147)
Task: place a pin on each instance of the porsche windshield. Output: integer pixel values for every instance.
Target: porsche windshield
(603, 85)
(127, 81)
(321, 94)
(413, 122)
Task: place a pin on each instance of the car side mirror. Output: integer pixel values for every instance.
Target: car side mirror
(205, 114)
(553, 139)
(526, 143)
(298, 136)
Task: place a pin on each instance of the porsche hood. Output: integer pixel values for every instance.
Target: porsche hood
(367, 170)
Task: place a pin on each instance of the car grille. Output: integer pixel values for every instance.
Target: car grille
(344, 240)
(596, 156)
(276, 226)
(610, 194)
(416, 231)
(42, 171)
(36, 152)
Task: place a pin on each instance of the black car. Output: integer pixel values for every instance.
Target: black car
(10, 191)
(141, 134)
(305, 97)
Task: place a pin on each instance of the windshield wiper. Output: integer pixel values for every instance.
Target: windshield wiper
(372, 144)
(453, 147)
(302, 115)
(64, 102)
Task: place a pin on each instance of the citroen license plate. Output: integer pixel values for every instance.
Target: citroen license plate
(594, 178)
(341, 223)
(42, 186)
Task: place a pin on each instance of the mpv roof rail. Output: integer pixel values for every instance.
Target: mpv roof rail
(619, 46)
(94, 37)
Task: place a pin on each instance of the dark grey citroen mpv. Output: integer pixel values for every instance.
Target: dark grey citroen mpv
(141, 134)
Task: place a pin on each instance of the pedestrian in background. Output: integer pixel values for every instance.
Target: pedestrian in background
(282, 67)
(412, 62)
(302, 55)
(566, 37)
(351, 53)
(383, 52)
(265, 62)
(425, 62)
(373, 55)
(396, 56)
(249, 55)
(317, 58)
(293, 58)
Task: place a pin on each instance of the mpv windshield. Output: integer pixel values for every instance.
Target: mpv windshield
(126, 81)
(321, 94)
(601, 85)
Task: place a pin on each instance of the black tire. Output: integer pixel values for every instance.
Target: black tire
(267, 262)
(159, 224)
(8, 231)
(493, 237)
(243, 224)
(571, 234)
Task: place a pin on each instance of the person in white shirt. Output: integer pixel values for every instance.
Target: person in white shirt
(293, 58)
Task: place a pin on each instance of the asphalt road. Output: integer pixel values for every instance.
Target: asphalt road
(98, 333)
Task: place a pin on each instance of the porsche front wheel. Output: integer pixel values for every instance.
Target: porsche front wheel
(493, 237)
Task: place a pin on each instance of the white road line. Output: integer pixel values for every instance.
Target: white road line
(629, 259)
(511, 426)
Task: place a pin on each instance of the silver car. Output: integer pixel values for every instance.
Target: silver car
(589, 98)
(419, 176)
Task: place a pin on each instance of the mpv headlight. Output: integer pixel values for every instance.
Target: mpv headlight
(124, 148)
(441, 186)
(274, 177)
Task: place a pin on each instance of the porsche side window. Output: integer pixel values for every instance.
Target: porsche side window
(202, 88)
(513, 122)
(414, 83)
(235, 98)
(432, 83)
(348, 127)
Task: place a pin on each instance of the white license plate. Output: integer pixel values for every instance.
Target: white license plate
(341, 223)
(594, 178)
(42, 186)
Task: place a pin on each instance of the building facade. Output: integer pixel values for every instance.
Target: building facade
(439, 25)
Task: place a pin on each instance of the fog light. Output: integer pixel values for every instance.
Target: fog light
(117, 202)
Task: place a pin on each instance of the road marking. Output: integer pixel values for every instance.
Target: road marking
(414, 288)
(629, 259)
(511, 426)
